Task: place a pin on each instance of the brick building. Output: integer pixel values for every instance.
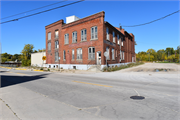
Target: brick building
(82, 42)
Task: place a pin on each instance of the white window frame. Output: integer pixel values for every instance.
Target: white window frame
(122, 55)
(56, 34)
(107, 33)
(83, 35)
(79, 53)
(94, 34)
(121, 42)
(72, 54)
(118, 40)
(49, 35)
(56, 44)
(56, 56)
(113, 58)
(64, 55)
(74, 37)
(66, 38)
(107, 49)
(49, 45)
(114, 37)
(91, 55)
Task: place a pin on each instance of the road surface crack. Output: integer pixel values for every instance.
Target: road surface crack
(10, 109)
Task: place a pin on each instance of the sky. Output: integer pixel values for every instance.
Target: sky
(31, 30)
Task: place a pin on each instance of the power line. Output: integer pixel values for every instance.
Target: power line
(32, 10)
(40, 12)
(153, 20)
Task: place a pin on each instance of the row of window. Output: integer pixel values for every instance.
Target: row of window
(56, 45)
(113, 53)
(91, 54)
(56, 35)
(119, 39)
(74, 35)
(83, 35)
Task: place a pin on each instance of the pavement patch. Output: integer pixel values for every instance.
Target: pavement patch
(92, 84)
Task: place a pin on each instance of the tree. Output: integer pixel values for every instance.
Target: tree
(169, 51)
(26, 54)
(151, 53)
(160, 54)
(35, 51)
(178, 50)
(43, 50)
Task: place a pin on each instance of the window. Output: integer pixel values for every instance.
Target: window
(49, 35)
(83, 35)
(112, 53)
(66, 38)
(56, 44)
(74, 37)
(118, 40)
(49, 45)
(91, 53)
(121, 42)
(116, 53)
(64, 55)
(73, 54)
(79, 53)
(107, 49)
(56, 34)
(122, 55)
(107, 33)
(114, 37)
(94, 32)
(56, 56)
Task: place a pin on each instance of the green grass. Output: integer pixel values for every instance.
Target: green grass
(167, 62)
(110, 69)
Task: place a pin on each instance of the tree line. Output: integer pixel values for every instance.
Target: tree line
(168, 54)
(24, 57)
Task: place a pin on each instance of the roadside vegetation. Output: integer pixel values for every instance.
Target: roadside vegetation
(169, 55)
(24, 57)
(110, 69)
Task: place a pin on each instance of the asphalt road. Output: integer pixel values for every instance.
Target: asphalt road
(34, 95)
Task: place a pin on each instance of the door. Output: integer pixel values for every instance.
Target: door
(98, 58)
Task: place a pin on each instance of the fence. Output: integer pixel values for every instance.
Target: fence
(10, 64)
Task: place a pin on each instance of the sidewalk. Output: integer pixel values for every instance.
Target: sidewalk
(29, 105)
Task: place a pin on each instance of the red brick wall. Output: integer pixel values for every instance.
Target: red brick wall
(87, 23)
(50, 55)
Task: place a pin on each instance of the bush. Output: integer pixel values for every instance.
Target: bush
(109, 69)
(41, 68)
(48, 69)
(26, 62)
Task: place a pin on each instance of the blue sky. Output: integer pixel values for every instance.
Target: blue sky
(31, 30)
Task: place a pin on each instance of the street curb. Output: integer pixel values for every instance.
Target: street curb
(20, 69)
(7, 67)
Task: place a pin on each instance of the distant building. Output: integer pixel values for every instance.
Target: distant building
(36, 59)
(82, 42)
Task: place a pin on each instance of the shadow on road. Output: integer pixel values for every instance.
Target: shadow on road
(12, 80)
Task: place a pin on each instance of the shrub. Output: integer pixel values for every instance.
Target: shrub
(109, 69)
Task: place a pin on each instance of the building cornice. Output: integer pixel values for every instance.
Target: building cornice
(86, 19)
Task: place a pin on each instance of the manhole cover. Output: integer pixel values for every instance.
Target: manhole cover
(137, 97)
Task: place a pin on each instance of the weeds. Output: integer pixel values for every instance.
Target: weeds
(110, 69)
